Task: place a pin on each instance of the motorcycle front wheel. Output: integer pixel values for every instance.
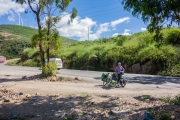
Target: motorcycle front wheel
(113, 84)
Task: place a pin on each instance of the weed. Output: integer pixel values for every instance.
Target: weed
(166, 99)
(84, 112)
(151, 112)
(145, 96)
(165, 116)
(175, 100)
(69, 117)
(60, 78)
(84, 94)
(70, 95)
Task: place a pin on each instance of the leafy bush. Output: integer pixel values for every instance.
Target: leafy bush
(14, 62)
(29, 63)
(120, 39)
(14, 48)
(172, 36)
(49, 69)
(173, 71)
(30, 52)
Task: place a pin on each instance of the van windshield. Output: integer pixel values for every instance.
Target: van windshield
(58, 61)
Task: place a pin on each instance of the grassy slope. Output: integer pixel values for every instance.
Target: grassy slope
(24, 33)
(137, 48)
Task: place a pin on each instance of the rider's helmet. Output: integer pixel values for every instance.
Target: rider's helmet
(119, 63)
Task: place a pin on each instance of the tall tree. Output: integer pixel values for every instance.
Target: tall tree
(47, 14)
(157, 13)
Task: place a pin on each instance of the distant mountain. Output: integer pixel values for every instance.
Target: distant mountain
(16, 32)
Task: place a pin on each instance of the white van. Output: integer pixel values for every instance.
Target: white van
(58, 61)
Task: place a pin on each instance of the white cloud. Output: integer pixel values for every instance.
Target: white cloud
(10, 7)
(12, 16)
(126, 32)
(119, 21)
(115, 34)
(79, 27)
(103, 28)
(143, 29)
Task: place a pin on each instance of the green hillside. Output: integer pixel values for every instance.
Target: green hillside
(16, 32)
(14, 39)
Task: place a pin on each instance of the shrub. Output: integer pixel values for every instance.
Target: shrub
(29, 63)
(49, 69)
(172, 36)
(120, 39)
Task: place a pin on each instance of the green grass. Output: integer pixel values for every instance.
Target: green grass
(25, 33)
(86, 95)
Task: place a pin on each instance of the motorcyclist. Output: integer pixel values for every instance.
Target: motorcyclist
(119, 71)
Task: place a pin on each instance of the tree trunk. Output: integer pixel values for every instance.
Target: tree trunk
(40, 43)
(48, 33)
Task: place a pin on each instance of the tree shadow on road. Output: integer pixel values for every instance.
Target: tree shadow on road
(108, 87)
(152, 79)
(9, 78)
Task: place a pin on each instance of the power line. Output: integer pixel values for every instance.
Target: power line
(88, 33)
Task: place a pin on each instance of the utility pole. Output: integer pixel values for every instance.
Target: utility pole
(21, 21)
(19, 18)
(88, 33)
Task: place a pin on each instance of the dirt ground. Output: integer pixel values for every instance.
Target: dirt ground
(31, 98)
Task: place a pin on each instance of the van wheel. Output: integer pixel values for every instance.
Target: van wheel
(58, 68)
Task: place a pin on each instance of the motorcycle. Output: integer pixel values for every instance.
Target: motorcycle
(112, 81)
(107, 80)
(122, 81)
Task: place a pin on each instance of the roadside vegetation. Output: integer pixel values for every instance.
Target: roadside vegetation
(140, 48)
(104, 53)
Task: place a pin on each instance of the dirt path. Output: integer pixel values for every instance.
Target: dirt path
(83, 99)
(89, 86)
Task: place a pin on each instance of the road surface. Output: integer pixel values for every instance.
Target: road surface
(94, 75)
(137, 84)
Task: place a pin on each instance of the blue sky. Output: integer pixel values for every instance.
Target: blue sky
(105, 18)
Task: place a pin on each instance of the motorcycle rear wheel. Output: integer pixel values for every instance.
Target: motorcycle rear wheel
(105, 82)
(123, 82)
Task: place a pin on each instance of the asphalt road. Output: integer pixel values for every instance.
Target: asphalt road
(92, 75)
